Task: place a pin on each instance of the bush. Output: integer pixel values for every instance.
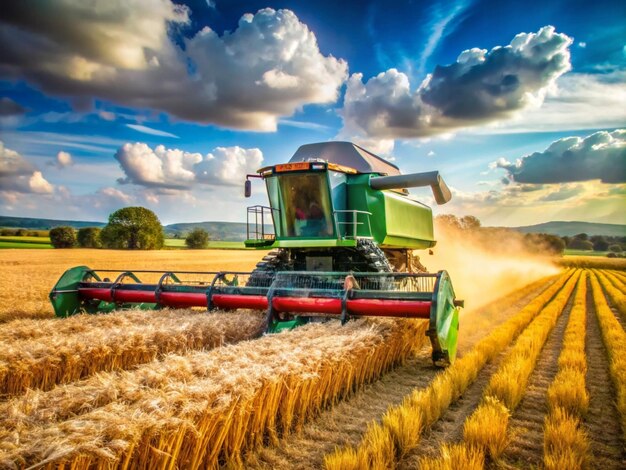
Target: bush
(63, 237)
(615, 248)
(197, 238)
(600, 245)
(578, 244)
(134, 228)
(611, 255)
(89, 237)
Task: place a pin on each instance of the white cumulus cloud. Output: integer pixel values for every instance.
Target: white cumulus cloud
(63, 159)
(124, 52)
(19, 175)
(481, 86)
(601, 155)
(174, 169)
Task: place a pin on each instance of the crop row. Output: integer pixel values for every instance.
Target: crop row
(614, 339)
(614, 288)
(399, 432)
(485, 431)
(205, 408)
(111, 342)
(565, 443)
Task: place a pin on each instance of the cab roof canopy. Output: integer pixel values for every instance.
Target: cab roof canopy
(345, 154)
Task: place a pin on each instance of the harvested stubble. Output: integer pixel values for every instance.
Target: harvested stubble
(205, 408)
(614, 339)
(614, 288)
(111, 342)
(486, 429)
(402, 425)
(565, 442)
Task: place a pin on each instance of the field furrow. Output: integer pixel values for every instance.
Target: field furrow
(485, 432)
(601, 422)
(345, 424)
(614, 339)
(615, 293)
(111, 342)
(205, 408)
(401, 426)
(565, 442)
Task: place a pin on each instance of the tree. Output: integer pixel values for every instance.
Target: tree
(89, 237)
(63, 237)
(134, 228)
(544, 243)
(469, 222)
(600, 244)
(197, 238)
(615, 248)
(582, 236)
(578, 244)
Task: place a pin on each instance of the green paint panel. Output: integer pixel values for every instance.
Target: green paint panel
(278, 326)
(397, 221)
(446, 321)
(64, 296)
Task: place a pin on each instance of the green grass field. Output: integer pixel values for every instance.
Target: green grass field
(21, 245)
(569, 252)
(170, 243)
(215, 244)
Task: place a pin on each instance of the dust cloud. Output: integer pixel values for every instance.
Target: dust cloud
(485, 264)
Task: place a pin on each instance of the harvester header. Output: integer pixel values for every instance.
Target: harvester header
(341, 226)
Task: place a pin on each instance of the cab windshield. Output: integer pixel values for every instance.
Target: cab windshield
(306, 208)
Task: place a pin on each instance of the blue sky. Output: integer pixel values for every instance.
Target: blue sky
(105, 104)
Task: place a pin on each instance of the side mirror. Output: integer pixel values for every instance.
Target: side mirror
(247, 188)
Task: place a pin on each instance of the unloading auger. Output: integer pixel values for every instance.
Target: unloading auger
(343, 230)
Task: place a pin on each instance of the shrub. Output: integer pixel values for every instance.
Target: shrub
(615, 248)
(197, 238)
(578, 244)
(600, 244)
(89, 237)
(63, 237)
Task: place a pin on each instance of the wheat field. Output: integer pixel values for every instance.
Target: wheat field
(540, 379)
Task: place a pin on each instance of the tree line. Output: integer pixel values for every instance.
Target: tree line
(540, 243)
(130, 228)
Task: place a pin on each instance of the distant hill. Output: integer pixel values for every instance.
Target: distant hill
(236, 231)
(231, 231)
(44, 224)
(574, 228)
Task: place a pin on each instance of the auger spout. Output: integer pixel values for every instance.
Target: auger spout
(415, 180)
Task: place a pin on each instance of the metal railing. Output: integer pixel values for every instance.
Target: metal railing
(353, 221)
(262, 219)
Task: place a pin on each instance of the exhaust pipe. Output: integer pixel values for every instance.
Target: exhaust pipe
(415, 180)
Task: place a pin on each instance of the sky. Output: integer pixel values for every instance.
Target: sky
(168, 104)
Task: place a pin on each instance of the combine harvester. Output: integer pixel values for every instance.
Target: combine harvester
(343, 230)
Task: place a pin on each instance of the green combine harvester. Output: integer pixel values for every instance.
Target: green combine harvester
(341, 227)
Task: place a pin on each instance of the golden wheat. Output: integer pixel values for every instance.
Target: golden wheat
(204, 408)
(455, 457)
(426, 406)
(110, 342)
(565, 443)
(614, 290)
(485, 430)
(29, 275)
(508, 385)
(614, 339)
